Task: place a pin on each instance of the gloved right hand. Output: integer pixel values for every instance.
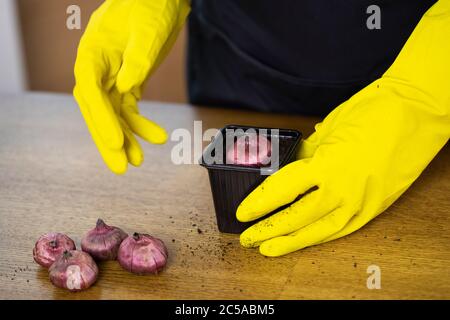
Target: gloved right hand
(124, 43)
(365, 153)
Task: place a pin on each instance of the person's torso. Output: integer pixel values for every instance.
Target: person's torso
(302, 56)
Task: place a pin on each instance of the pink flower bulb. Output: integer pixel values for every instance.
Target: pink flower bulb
(250, 150)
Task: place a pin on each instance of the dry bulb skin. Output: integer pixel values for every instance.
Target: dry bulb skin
(103, 242)
(142, 254)
(74, 270)
(49, 246)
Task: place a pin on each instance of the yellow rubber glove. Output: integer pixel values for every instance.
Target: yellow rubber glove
(365, 154)
(124, 43)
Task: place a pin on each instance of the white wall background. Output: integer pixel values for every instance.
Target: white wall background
(12, 79)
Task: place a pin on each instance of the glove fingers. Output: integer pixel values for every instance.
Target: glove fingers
(277, 190)
(132, 147)
(143, 127)
(303, 212)
(115, 159)
(97, 106)
(152, 24)
(356, 223)
(146, 129)
(310, 235)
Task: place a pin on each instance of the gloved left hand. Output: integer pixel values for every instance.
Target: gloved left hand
(365, 154)
(125, 41)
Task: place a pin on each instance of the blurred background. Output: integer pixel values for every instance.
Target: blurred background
(38, 51)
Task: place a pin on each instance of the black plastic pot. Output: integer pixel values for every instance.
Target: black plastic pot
(231, 183)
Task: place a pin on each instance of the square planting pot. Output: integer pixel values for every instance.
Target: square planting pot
(231, 183)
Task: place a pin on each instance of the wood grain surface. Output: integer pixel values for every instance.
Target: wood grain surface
(52, 179)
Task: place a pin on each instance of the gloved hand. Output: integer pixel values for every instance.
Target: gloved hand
(365, 154)
(124, 43)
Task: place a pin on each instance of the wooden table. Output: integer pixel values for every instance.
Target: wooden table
(52, 179)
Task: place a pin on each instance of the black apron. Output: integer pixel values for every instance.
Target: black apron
(296, 56)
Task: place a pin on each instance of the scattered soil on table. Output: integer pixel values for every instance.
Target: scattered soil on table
(208, 247)
(15, 273)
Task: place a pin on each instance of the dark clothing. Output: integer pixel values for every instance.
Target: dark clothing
(296, 56)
